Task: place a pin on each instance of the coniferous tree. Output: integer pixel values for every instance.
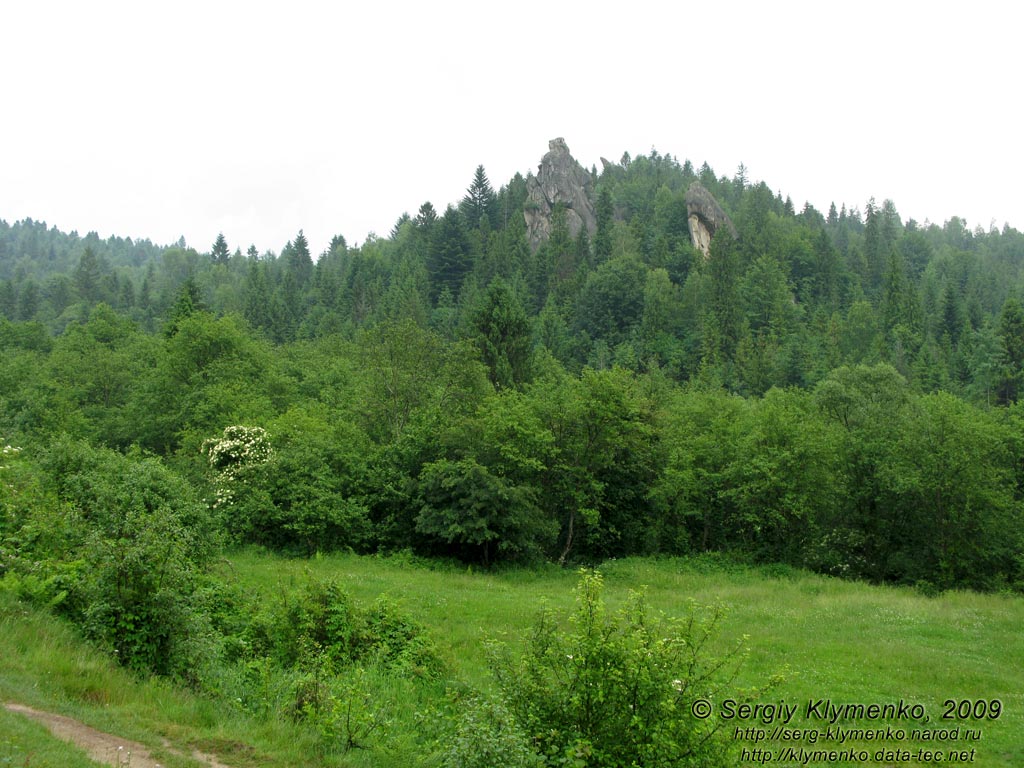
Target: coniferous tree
(8, 300)
(28, 300)
(285, 310)
(401, 222)
(603, 235)
(890, 225)
(511, 199)
(726, 305)
(426, 216)
(898, 295)
(188, 302)
(874, 257)
(555, 260)
(220, 251)
(828, 272)
(1011, 333)
(257, 311)
(741, 179)
(952, 320)
(449, 256)
(833, 216)
(503, 336)
(480, 202)
(88, 275)
(298, 262)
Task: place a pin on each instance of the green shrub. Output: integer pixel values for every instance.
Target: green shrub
(397, 642)
(617, 690)
(322, 619)
(343, 708)
(468, 511)
(486, 736)
(300, 490)
(134, 543)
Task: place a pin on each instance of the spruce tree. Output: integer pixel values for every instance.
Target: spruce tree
(873, 253)
(257, 309)
(188, 302)
(87, 277)
(448, 259)
(1011, 332)
(603, 234)
(298, 261)
(503, 336)
(220, 251)
(480, 202)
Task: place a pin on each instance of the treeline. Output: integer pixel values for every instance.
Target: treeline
(398, 440)
(795, 296)
(833, 391)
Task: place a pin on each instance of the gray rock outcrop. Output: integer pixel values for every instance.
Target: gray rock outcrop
(559, 179)
(706, 217)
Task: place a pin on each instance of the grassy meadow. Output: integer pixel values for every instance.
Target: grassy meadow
(843, 641)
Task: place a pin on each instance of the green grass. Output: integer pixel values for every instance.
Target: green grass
(43, 664)
(848, 642)
(24, 742)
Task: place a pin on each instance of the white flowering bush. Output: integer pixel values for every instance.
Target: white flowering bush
(303, 494)
(231, 454)
(10, 519)
(238, 447)
(7, 454)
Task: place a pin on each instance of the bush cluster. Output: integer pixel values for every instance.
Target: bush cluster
(613, 690)
(322, 621)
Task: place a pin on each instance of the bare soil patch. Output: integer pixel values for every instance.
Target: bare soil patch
(103, 747)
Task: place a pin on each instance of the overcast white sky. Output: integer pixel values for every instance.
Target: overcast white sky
(260, 119)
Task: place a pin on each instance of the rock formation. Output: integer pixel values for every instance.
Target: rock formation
(706, 217)
(559, 179)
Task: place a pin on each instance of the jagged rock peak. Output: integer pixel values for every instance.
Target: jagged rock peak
(558, 145)
(706, 217)
(559, 179)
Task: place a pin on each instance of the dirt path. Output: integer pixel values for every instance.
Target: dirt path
(103, 747)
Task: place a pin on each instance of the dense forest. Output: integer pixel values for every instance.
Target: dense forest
(832, 391)
(836, 391)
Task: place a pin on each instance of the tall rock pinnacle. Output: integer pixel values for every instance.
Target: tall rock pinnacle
(559, 179)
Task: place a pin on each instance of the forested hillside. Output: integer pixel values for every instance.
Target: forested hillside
(795, 296)
(575, 368)
(833, 390)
